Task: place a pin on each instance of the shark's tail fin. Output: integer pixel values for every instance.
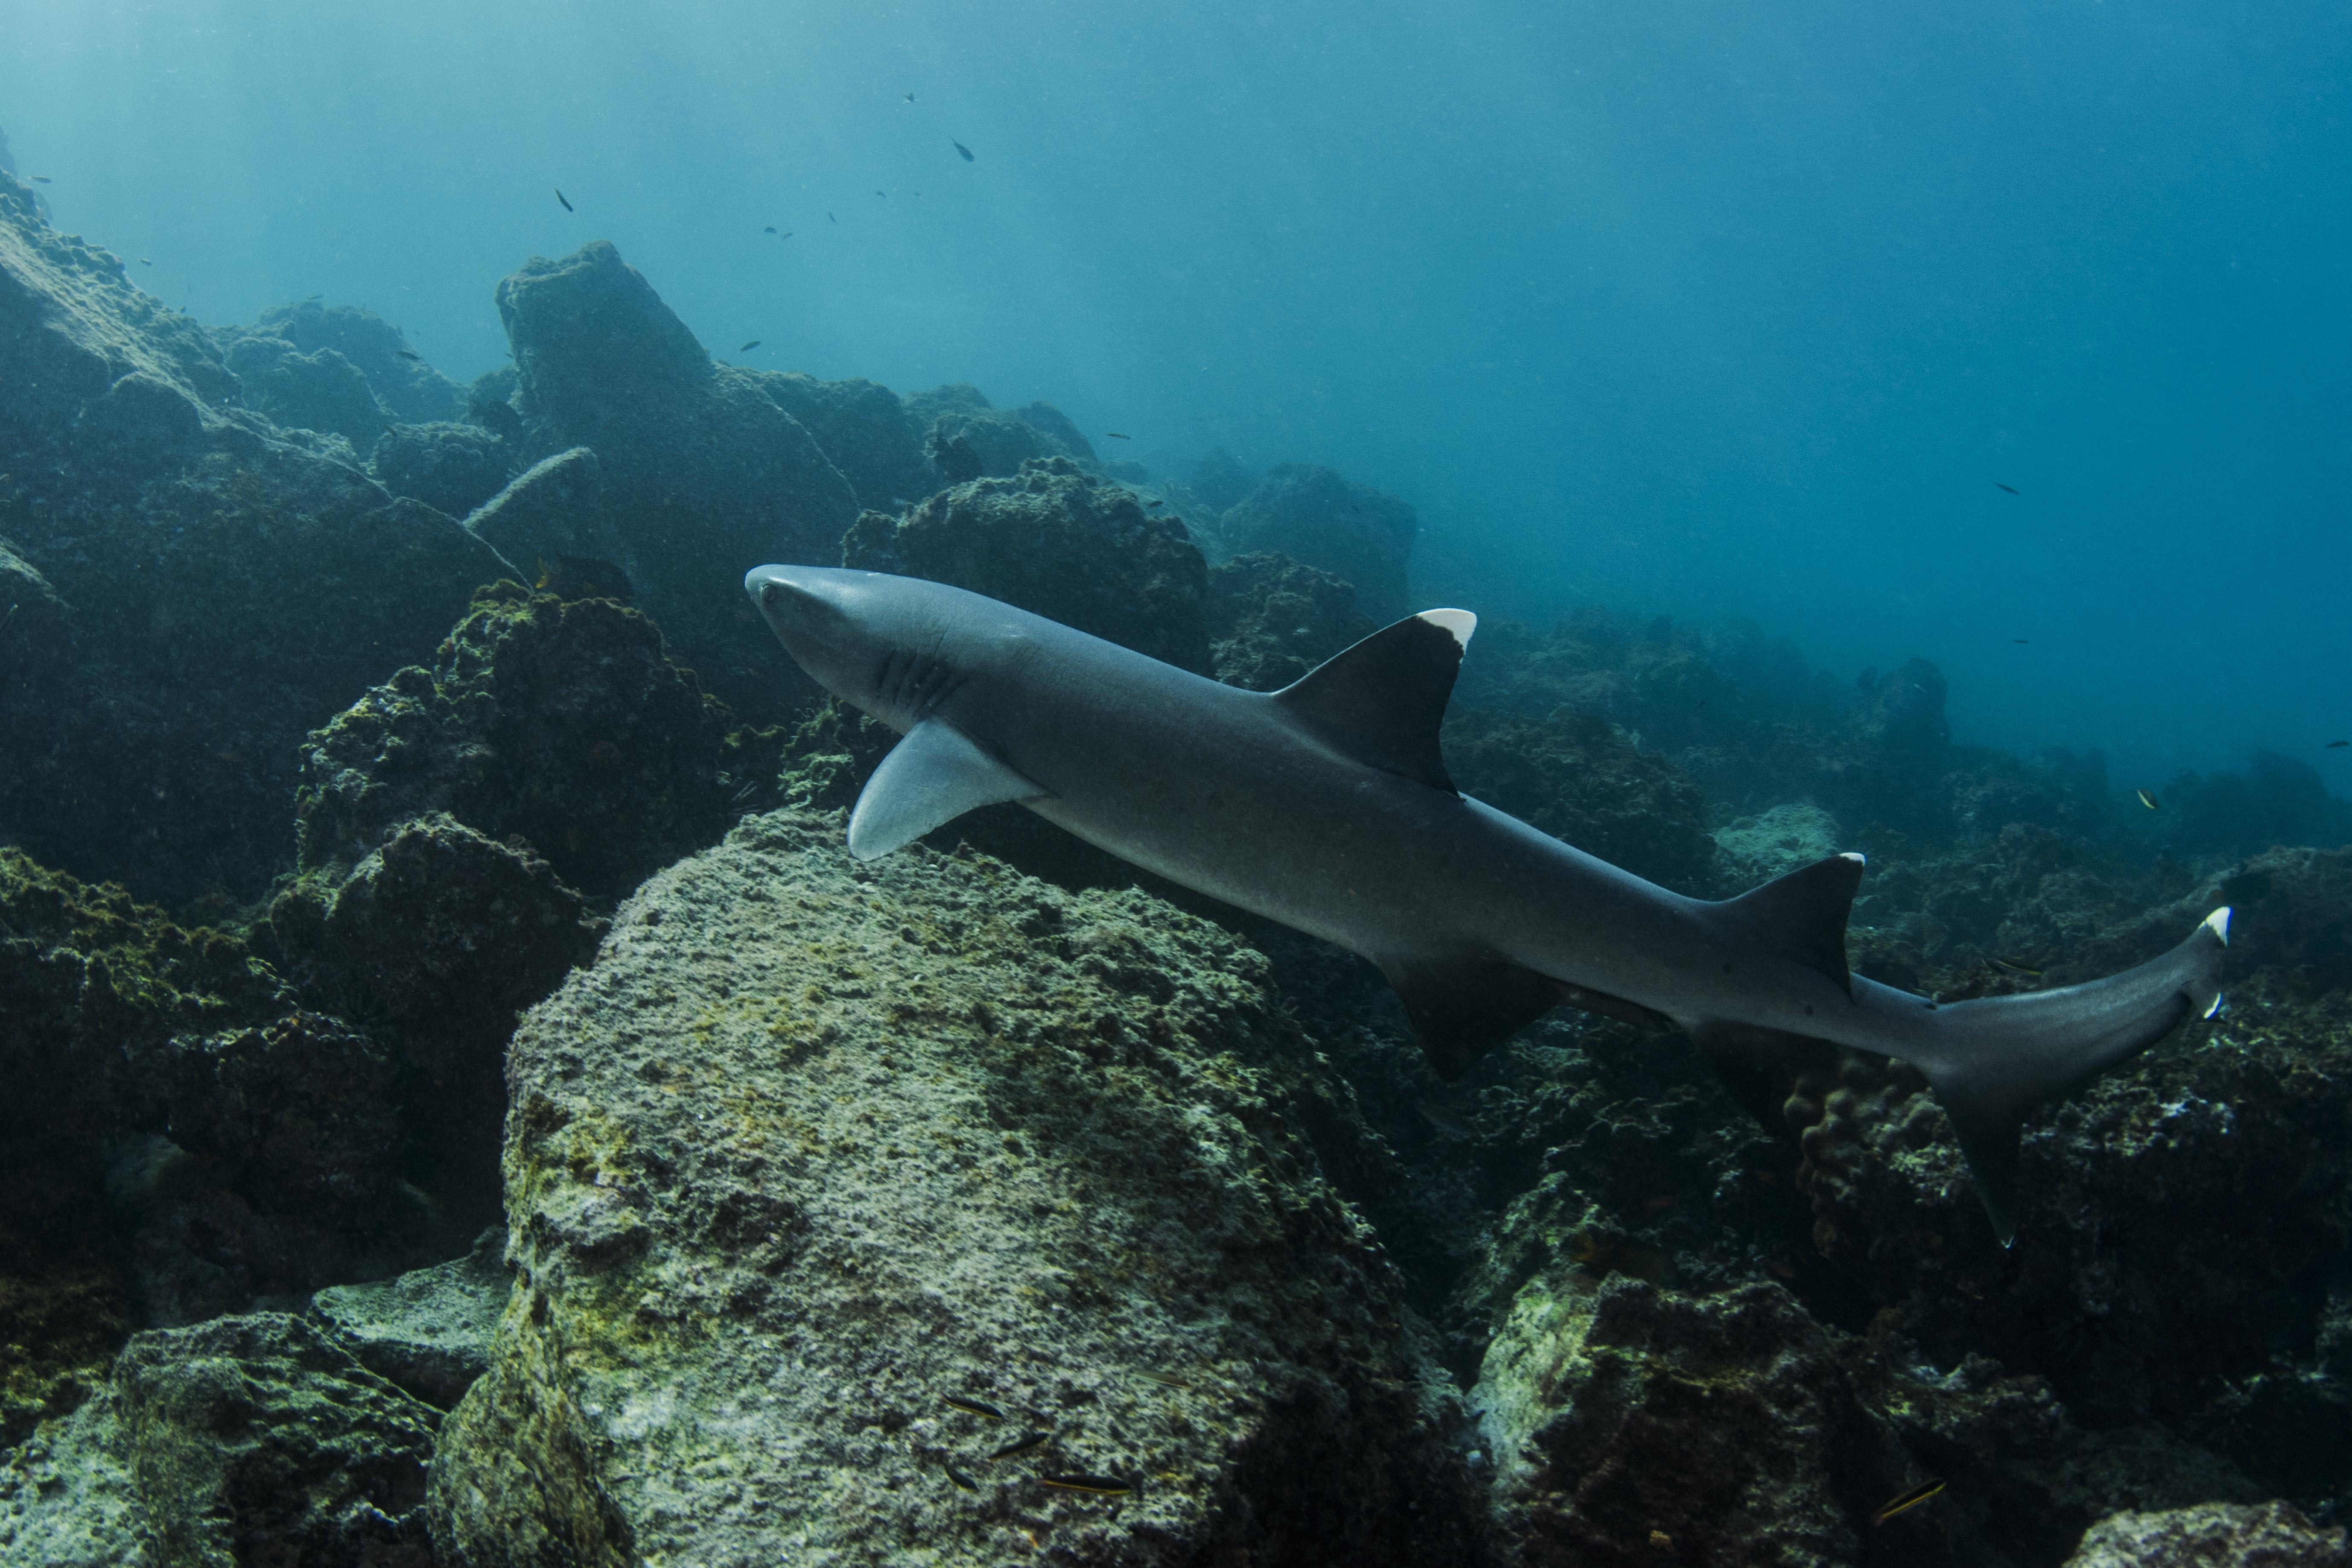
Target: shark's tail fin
(1997, 1057)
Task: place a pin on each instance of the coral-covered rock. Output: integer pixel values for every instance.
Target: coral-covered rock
(705, 474)
(817, 1149)
(1062, 545)
(2216, 1535)
(409, 391)
(1271, 619)
(553, 513)
(1362, 535)
(68, 1499)
(317, 391)
(1580, 779)
(863, 427)
(450, 465)
(565, 723)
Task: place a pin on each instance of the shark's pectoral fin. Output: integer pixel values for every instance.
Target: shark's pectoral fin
(1381, 700)
(933, 776)
(1801, 917)
(1464, 1007)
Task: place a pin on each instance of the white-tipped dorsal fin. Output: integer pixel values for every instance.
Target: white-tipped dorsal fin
(1461, 623)
(933, 776)
(1381, 700)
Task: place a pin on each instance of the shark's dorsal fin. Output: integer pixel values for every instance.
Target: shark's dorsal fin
(1463, 1007)
(933, 776)
(1801, 917)
(1381, 700)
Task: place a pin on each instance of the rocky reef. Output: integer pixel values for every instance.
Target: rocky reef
(468, 1109)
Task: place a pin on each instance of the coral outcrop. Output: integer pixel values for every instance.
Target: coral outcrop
(1362, 535)
(1271, 619)
(451, 465)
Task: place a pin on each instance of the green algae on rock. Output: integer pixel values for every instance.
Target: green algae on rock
(815, 1146)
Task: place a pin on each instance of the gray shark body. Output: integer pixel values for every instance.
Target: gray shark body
(1326, 806)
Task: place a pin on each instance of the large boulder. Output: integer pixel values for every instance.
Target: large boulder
(319, 391)
(1058, 542)
(1271, 619)
(1312, 514)
(2212, 1535)
(705, 474)
(552, 513)
(855, 1205)
(408, 390)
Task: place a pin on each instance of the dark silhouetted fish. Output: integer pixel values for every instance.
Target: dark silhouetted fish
(882, 194)
(1117, 436)
(144, 262)
(962, 149)
(2333, 745)
(410, 353)
(2020, 640)
(567, 205)
(1156, 505)
(747, 347)
(972, 1406)
(2012, 490)
(41, 179)
(961, 1479)
(1903, 1502)
(911, 98)
(2146, 799)
(770, 229)
(1028, 1442)
(835, 219)
(1101, 1486)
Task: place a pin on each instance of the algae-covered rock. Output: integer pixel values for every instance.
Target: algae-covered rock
(1723, 1424)
(407, 390)
(863, 427)
(437, 939)
(564, 721)
(817, 1149)
(429, 1329)
(261, 1440)
(1580, 779)
(1310, 514)
(1060, 544)
(450, 465)
(1271, 619)
(68, 1499)
(705, 474)
(2215, 1535)
(551, 512)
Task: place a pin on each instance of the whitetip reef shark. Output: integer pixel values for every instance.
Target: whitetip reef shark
(1326, 806)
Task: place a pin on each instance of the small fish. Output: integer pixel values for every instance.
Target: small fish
(2146, 799)
(144, 262)
(7, 618)
(835, 219)
(1117, 436)
(973, 1407)
(770, 229)
(1101, 1486)
(410, 353)
(1027, 1442)
(1901, 1502)
(962, 149)
(883, 193)
(1661, 1541)
(1445, 1120)
(747, 347)
(41, 180)
(911, 98)
(546, 574)
(567, 205)
(2010, 489)
(2020, 641)
(2333, 745)
(1164, 1381)
(1153, 505)
(2016, 966)
(961, 1479)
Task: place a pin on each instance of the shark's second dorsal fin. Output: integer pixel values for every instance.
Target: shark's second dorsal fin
(933, 776)
(1801, 917)
(1381, 700)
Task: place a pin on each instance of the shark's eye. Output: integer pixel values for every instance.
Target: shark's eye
(768, 592)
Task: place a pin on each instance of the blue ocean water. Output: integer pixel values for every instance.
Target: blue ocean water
(1704, 308)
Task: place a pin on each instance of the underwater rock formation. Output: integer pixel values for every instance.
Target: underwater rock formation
(407, 390)
(180, 1137)
(564, 723)
(1362, 535)
(1271, 619)
(450, 465)
(2216, 1535)
(553, 513)
(862, 427)
(428, 1331)
(701, 465)
(817, 1149)
(320, 391)
(1580, 778)
(1060, 544)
